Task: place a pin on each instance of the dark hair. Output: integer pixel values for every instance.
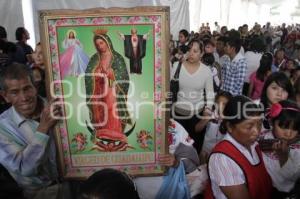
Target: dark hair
(7, 47)
(257, 45)
(281, 80)
(207, 42)
(40, 86)
(108, 184)
(289, 116)
(278, 50)
(19, 33)
(265, 65)
(3, 33)
(222, 93)
(234, 40)
(184, 32)
(201, 46)
(223, 39)
(14, 71)
(240, 108)
(223, 27)
(208, 59)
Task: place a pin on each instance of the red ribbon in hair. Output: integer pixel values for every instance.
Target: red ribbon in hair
(275, 110)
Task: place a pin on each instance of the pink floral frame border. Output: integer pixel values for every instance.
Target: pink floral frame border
(156, 16)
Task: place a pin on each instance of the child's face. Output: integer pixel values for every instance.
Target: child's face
(275, 93)
(284, 133)
(247, 131)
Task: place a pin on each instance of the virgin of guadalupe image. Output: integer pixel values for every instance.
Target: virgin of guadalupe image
(73, 61)
(107, 84)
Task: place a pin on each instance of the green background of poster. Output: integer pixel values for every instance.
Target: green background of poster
(140, 96)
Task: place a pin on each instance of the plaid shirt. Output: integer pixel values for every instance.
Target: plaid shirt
(28, 155)
(233, 74)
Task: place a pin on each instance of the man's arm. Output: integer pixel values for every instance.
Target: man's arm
(23, 160)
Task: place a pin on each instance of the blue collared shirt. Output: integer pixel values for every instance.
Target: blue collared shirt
(233, 74)
(28, 155)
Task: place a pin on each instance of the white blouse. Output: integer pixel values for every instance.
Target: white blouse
(283, 178)
(190, 98)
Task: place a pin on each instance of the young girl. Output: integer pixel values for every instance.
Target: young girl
(212, 121)
(236, 162)
(282, 160)
(276, 88)
(258, 78)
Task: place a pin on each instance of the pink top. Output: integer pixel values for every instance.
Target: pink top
(257, 86)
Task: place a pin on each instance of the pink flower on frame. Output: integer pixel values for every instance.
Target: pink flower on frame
(116, 19)
(98, 20)
(81, 20)
(157, 96)
(131, 20)
(153, 18)
(157, 29)
(158, 79)
(158, 127)
(158, 44)
(158, 63)
(137, 18)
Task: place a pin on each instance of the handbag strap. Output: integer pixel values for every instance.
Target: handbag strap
(176, 75)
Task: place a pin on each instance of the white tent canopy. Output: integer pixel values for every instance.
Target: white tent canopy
(179, 11)
(187, 14)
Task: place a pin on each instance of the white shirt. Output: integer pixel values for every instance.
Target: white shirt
(253, 60)
(224, 171)
(221, 60)
(283, 178)
(190, 99)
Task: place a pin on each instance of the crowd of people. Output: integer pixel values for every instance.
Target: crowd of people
(237, 106)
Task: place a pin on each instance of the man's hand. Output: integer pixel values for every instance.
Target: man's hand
(49, 116)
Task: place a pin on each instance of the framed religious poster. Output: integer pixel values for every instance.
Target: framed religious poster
(109, 69)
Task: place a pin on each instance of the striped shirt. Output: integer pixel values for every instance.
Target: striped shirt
(233, 74)
(28, 155)
(225, 172)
